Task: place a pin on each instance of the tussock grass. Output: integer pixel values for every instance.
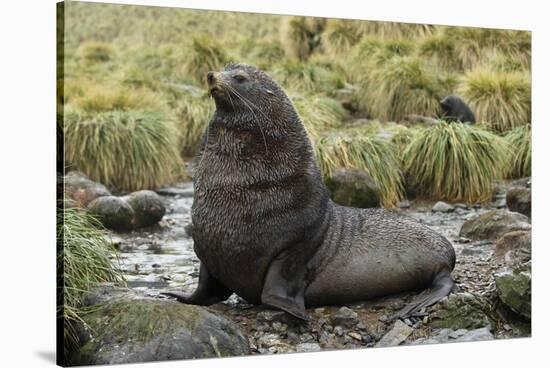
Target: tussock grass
(501, 99)
(192, 117)
(455, 162)
(519, 140)
(86, 259)
(392, 30)
(125, 150)
(400, 87)
(372, 154)
(473, 44)
(300, 36)
(95, 52)
(505, 63)
(371, 52)
(442, 51)
(262, 53)
(101, 98)
(340, 35)
(319, 113)
(138, 78)
(308, 77)
(206, 54)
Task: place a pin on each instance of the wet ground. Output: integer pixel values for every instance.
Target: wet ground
(161, 258)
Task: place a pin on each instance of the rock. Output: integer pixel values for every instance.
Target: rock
(442, 207)
(273, 316)
(82, 190)
(308, 347)
(521, 183)
(404, 204)
(345, 317)
(463, 311)
(447, 335)
(514, 247)
(135, 331)
(499, 203)
(399, 333)
(181, 190)
(480, 334)
(354, 188)
(519, 200)
(113, 212)
(493, 224)
(514, 290)
(148, 207)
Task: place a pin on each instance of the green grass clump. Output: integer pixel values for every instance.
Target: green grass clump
(308, 77)
(505, 63)
(370, 52)
(473, 44)
(206, 54)
(340, 35)
(442, 50)
(95, 52)
(455, 162)
(388, 30)
(262, 53)
(374, 155)
(519, 140)
(85, 259)
(499, 98)
(192, 116)
(125, 150)
(100, 98)
(319, 113)
(300, 36)
(400, 87)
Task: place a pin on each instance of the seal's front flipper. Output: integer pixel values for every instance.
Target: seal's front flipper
(284, 285)
(209, 291)
(442, 286)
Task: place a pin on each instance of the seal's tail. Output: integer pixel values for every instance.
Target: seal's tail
(442, 286)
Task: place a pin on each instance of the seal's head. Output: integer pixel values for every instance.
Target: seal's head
(241, 87)
(447, 103)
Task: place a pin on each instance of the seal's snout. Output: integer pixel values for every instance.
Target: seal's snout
(210, 78)
(213, 80)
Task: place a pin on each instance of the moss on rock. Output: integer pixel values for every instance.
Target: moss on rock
(514, 290)
(141, 330)
(463, 311)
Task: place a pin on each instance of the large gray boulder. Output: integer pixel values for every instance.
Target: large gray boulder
(494, 224)
(113, 212)
(518, 199)
(81, 190)
(148, 207)
(144, 330)
(354, 188)
(514, 290)
(514, 247)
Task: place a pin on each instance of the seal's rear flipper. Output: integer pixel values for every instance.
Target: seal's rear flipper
(284, 285)
(442, 286)
(209, 291)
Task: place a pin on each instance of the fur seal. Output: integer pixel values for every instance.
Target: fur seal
(265, 228)
(455, 109)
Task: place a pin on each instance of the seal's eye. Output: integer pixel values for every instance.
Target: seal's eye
(239, 78)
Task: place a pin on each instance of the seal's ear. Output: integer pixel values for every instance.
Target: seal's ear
(270, 92)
